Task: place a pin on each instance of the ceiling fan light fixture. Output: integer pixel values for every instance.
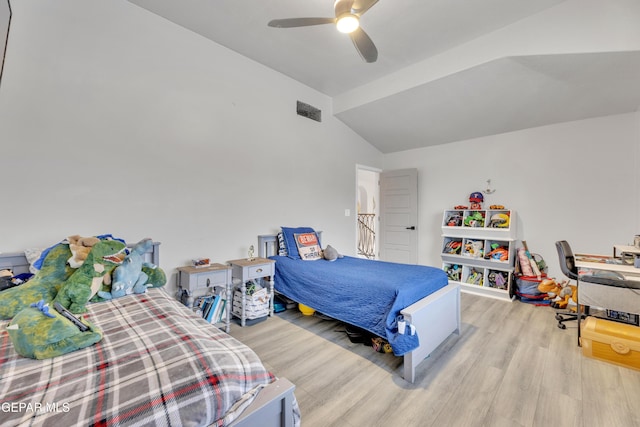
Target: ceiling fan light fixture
(347, 23)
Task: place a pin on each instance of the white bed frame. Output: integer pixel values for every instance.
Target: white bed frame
(435, 317)
(273, 407)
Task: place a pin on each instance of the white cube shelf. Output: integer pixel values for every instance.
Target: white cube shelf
(478, 250)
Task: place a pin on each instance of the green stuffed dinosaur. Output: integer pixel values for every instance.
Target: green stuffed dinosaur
(157, 278)
(39, 333)
(43, 286)
(87, 280)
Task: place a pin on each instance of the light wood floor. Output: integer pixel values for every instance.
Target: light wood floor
(511, 366)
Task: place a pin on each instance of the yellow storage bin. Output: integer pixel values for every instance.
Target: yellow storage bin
(307, 311)
(612, 342)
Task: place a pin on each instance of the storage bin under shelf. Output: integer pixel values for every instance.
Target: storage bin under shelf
(452, 246)
(473, 275)
(487, 286)
(454, 271)
(498, 279)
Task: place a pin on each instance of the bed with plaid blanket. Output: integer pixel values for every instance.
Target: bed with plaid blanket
(157, 364)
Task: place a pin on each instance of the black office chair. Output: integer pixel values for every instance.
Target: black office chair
(569, 269)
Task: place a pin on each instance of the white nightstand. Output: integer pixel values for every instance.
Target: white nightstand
(200, 281)
(244, 270)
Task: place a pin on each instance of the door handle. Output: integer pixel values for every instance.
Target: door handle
(413, 227)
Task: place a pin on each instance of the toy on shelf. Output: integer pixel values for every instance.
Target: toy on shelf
(499, 220)
(474, 248)
(475, 199)
(475, 219)
(453, 247)
(498, 279)
(496, 207)
(454, 220)
(498, 252)
(453, 272)
(475, 277)
(460, 207)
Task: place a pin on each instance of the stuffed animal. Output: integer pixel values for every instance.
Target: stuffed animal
(85, 282)
(330, 253)
(130, 277)
(39, 333)
(157, 276)
(568, 295)
(80, 248)
(43, 286)
(551, 288)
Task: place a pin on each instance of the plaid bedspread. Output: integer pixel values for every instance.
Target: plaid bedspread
(157, 364)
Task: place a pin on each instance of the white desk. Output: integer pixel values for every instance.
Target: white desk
(586, 262)
(611, 297)
(604, 296)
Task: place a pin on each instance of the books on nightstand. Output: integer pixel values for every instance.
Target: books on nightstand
(212, 308)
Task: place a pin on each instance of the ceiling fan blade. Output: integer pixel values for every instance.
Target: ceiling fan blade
(342, 7)
(299, 22)
(359, 7)
(364, 45)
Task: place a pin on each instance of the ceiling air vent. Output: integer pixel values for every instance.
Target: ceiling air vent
(308, 111)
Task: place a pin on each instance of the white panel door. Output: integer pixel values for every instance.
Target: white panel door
(399, 216)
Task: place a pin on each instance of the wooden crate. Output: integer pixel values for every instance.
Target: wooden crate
(611, 342)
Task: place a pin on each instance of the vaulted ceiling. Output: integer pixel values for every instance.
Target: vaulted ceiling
(447, 70)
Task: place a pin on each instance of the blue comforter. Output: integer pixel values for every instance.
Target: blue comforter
(365, 293)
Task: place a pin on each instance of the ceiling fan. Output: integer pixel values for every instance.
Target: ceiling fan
(347, 20)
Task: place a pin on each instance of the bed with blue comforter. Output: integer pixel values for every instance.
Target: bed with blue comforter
(365, 293)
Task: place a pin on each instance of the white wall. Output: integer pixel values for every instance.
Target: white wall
(576, 181)
(114, 120)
